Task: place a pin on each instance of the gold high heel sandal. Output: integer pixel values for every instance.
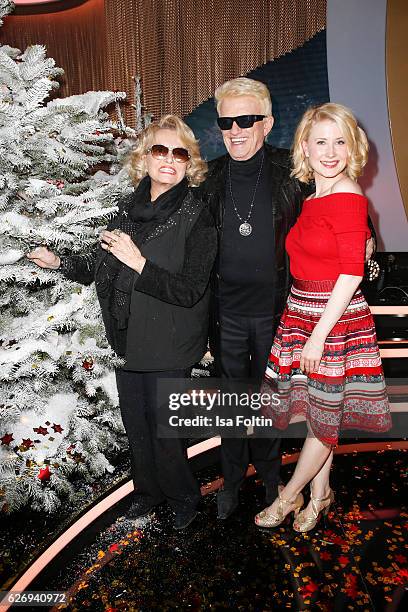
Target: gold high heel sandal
(304, 523)
(266, 519)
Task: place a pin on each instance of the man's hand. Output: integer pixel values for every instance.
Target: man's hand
(370, 248)
(123, 248)
(44, 258)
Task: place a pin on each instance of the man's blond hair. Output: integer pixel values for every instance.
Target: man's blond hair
(242, 86)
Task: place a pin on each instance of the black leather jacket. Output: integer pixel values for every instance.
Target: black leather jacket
(286, 199)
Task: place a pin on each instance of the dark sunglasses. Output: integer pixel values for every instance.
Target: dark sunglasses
(161, 152)
(243, 121)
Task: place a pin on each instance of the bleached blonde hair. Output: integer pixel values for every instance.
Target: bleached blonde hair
(196, 167)
(242, 86)
(356, 140)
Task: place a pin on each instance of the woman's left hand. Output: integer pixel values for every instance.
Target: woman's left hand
(311, 356)
(123, 248)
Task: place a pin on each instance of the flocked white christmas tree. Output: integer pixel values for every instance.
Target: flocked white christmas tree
(58, 411)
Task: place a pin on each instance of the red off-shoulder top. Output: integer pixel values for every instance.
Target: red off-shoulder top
(329, 237)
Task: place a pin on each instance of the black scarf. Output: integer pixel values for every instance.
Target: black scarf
(147, 215)
(113, 279)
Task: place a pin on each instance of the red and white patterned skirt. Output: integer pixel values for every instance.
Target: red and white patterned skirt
(348, 391)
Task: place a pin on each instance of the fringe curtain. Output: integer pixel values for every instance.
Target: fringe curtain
(75, 38)
(184, 49)
(181, 49)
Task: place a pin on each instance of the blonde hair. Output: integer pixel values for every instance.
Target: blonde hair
(242, 86)
(196, 166)
(356, 140)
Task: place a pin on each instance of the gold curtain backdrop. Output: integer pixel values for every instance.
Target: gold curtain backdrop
(75, 38)
(181, 49)
(184, 49)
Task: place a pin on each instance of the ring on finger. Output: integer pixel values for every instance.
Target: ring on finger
(117, 231)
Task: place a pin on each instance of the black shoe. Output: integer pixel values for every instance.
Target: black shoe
(141, 507)
(227, 503)
(184, 518)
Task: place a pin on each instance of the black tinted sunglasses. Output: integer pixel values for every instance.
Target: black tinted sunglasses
(161, 152)
(243, 121)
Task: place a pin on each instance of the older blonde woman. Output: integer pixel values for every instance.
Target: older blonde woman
(325, 363)
(151, 272)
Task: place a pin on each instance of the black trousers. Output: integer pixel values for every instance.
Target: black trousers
(245, 343)
(159, 466)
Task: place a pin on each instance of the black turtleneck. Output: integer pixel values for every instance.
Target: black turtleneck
(247, 263)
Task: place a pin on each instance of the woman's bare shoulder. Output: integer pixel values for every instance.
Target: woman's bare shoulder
(347, 185)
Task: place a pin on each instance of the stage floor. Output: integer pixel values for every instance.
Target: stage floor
(356, 560)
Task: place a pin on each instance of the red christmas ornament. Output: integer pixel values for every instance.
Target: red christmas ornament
(41, 430)
(57, 428)
(27, 443)
(44, 474)
(6, 439)
(88, 363)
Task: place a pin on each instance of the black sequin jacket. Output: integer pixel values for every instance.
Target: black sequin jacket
(167, 325)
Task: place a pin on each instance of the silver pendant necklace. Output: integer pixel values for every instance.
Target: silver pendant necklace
(245, 229)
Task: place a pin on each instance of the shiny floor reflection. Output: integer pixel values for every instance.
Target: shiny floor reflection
(355, 560)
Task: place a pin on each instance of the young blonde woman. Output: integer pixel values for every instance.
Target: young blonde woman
(325, 362)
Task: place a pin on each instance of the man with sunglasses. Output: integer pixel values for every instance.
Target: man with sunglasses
(254, 202)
